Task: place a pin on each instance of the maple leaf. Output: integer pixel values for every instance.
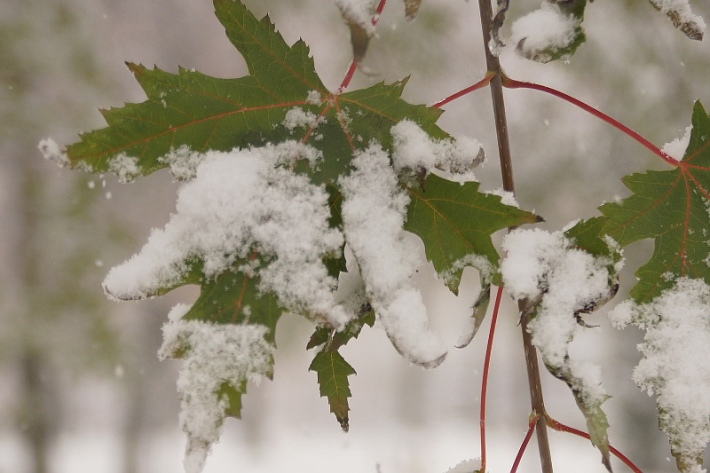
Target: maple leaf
(670, 207)
(456, 221)
(332, 369)
(282, 96)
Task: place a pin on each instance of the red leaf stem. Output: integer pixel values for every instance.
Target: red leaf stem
(515, 84)
(353, 65)
(560, 427)
(531, 428)
(481, 83)
(484, 381)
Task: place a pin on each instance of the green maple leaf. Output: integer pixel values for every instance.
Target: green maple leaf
(234, 298)
(332, 369)
(333, 372)
(670, 207)
(205, 113)
(456, 221)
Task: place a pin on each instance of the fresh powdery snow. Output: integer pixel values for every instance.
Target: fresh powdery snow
(240, 202)
(542, 30)
(125, 167)
(213, 355)
(374, 209)
(415, 149)
(183, 162)
(675, 367)
(299, 118)
(51, 151)
(544, 267)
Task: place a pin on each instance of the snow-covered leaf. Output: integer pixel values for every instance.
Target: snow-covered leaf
(219, 359)
(558, 282)
(682, 17)
(374, 211)
(674, 366)
(552, 32)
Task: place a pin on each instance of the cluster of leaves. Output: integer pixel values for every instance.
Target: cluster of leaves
(669, 207)
(194, 112)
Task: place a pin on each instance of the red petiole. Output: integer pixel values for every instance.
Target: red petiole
(514, 84)
(560, 427)
(531, 428)
(484, 381)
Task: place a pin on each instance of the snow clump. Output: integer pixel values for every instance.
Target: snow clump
(214, 356)
(539, 34)
(675, 367)
(241, 203)
(545, 269)
(374, 210)
(125, 167)
(415, 149)
(50, 150)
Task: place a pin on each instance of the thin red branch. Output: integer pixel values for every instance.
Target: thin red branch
(515, 84)
(560, 427)
(353, 65)
(484, 381)
(481, 83)
(531, 428)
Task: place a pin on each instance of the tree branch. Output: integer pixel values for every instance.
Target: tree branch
(501, 124)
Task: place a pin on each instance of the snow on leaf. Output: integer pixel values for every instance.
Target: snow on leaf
(243, 214)
(374, 209)
(674, 366)
(558, 282)
(215, 357)
(682, 17)
(552, 32)
(456, 221)
(671, 207)
(416, 151)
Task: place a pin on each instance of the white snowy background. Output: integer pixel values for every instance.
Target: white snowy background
(98, 400)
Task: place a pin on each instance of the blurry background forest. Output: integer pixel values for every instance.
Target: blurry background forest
(81, 389)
